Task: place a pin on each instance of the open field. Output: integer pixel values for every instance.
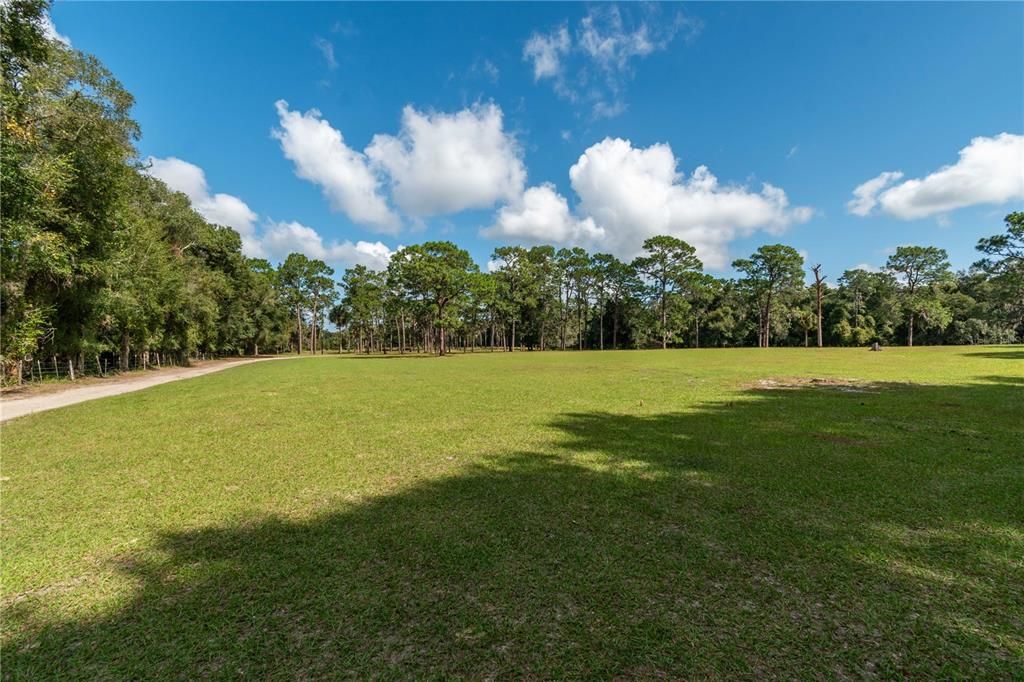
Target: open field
(709, 513)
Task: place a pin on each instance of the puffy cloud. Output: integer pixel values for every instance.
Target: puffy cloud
(627, 194)
(635, 193)
(277, 239)
(280, 239)
(226, 209)
(321, 156)
(541, 214)
(990, 171)
(545, 52)
(865, 195)
(221, 209)
(181, 176)
(444, 163)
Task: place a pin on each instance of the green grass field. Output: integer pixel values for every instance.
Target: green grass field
(712, 513)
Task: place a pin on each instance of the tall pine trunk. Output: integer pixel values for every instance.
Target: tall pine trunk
(615, 328)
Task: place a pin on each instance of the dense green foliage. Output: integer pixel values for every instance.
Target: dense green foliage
(540, 298)
(722, 514)
(96, 256)
(99, 258)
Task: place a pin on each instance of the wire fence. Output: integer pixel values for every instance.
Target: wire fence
(59, 368)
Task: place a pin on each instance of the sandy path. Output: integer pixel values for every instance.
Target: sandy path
(18, 406)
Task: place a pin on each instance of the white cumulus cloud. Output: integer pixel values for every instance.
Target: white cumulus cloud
(280, 239)
(635, 193)
(990, 170)
(321, 156)
(274, 240)
(627, 194)
(865, 195)
(541, 214)
(444, 163)
(221, 209)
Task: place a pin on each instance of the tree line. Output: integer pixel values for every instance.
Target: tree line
(99, 259)
(540, 298)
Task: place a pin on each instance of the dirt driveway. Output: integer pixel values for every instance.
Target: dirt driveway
(15, 405)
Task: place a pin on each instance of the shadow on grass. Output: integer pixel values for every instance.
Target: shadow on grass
(997, 355)
(808, 532)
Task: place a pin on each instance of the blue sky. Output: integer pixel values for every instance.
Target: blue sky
(579, 124)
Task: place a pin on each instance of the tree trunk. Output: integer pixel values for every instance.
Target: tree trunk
(664, 319)
(312, 333)
(615, 327)
(818, 279)
(580, 317)
(562, 340)
(440, 329)
(125, 349)
(820, 342)
(910, 330)
(512, 346)
(298, 322)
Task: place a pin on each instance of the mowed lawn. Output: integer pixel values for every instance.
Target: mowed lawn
(708, 513)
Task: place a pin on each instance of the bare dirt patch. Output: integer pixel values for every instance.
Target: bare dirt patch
(831, 383)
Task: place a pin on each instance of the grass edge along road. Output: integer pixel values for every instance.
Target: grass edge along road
(705, 513)
(53, 395)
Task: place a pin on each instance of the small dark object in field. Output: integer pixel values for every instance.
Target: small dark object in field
(876, 346)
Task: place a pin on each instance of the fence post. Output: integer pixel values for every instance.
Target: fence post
(71, 370)
(39, 366)
(56, 367)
